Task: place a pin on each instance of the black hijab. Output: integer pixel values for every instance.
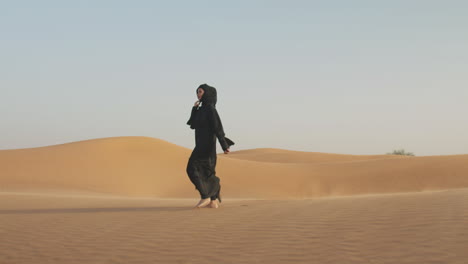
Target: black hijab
(210, 96)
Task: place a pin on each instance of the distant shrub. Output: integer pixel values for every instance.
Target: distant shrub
(401, 152)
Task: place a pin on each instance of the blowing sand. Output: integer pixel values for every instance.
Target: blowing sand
(128, 200)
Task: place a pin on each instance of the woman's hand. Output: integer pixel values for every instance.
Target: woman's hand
(197, 103)
(226, 151)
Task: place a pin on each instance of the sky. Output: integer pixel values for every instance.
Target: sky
(350, 77)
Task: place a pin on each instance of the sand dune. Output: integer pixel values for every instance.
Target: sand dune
(144, 166)
(122, 165)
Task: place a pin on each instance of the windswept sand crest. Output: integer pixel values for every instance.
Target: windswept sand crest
(289, 156)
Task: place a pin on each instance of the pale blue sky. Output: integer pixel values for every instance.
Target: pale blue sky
(352, 77)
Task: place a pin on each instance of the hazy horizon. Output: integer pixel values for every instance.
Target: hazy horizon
(319, 76)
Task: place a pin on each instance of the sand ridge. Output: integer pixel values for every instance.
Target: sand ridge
(145, 166)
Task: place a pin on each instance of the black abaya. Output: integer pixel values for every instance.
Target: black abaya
(201, 167)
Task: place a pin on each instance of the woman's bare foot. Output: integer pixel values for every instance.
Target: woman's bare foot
(203, 203)
(213, 204)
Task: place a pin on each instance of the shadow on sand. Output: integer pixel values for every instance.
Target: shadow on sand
(95, 210)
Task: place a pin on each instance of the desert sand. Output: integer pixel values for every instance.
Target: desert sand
(129, 200)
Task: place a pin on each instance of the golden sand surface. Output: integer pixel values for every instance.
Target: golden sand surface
(424, 227)
(129, 200)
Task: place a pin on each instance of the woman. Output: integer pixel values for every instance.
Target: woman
(201, 165)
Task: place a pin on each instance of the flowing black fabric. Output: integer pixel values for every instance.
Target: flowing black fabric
(201, 167)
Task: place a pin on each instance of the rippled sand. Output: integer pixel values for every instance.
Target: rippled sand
(428, 227)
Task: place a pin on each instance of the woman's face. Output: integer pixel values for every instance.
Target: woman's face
(200, 93)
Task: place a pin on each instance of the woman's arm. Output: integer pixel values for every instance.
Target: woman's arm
(192, 116)
(218, 129)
